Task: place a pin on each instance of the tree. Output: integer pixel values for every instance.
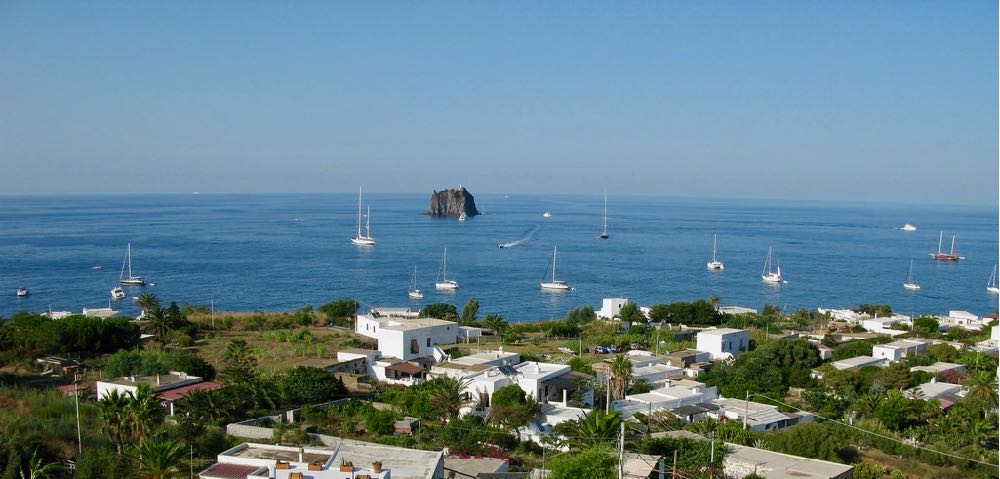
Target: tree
(114, 414)
(158, 459)
(340, 309)
(630, 313)
(597, 462)
(440, 311)
(925, 326)
(241, 364)
(591, 430)
(144, 413)
(581, 315)
(497, 323)
(982, 390)
(100, 463)
(311, 385)
(621, 376)
(470, 312)
(38, 469)
(511, 408)
(157, 321)
(813, 440)
(147, 301)
(447, 395)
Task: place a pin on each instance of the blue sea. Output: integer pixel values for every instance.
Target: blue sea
(280, 252)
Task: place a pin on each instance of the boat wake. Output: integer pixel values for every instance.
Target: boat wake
(530, 233)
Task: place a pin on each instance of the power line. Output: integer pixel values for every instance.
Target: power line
(953, 456)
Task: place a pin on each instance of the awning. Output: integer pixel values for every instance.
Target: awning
(569, 381)
(405, 368)
(229, 471)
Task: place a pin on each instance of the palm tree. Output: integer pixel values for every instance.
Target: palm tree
(867, 404)
(39, 470)
(621, 376)
(115, 417)
(448, 396)
(157, 321)
(206, 406)
(497, 323)
(595, 428)
(982, 390)
(147, 301)
(144, 412)
(158, 459)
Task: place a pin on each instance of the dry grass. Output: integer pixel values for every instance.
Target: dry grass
(274, 356)
(913, 469)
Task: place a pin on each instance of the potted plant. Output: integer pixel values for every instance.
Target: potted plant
(377, 467)
(316, 466)
(346, 466)
(282, 465)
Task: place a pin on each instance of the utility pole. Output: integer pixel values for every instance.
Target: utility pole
(711, 464)
(191, 461)
(673, 468)
(657, 353)
(543, 458)
(76, 398)
(621, 452)
(213, 312)
(746, 412)
(607, 391)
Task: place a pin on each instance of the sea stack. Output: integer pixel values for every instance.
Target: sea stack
(453, 202)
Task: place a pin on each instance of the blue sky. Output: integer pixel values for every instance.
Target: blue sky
(864, 101)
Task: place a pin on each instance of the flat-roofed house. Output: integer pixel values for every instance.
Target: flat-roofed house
(723, 343)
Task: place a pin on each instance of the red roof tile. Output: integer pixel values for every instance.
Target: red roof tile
(405, 368)
(175, 394)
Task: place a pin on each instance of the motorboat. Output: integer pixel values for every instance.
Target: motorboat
(117, 293)
(908, 227)
(22, 291)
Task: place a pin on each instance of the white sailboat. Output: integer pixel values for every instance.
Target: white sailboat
(909, 284)
(414, 293)
(991, 286)
(131, 280)
(604, 232)
(443, 282)
(715, 264)
(554, 283)
(367, 239)
(767, 275)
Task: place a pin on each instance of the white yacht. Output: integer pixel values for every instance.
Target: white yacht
(443, 282)
(554, 284)
(767, 275)
(131, 279)
(908, 227)
(547, 214)
(117, 293)
(909, 284)
(414, 293)
(462, 217)
(22, 291)
(991, 286)
(715, 264)
(367, 239)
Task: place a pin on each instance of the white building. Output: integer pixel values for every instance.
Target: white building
(474, 363)
(610, 307)
(885, 324)
(546, 382)
(742, 461)
(157, 384)
(675, 394)
(407, 338)
(761, 417)
(722, 343)
(845, 315)
(941, 368)
(734, 310)
(264, 461)
(900, 349)
(961, 319)
(859, 362)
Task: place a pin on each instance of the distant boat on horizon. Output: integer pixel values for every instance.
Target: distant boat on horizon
(715, 264)
(547, 214)
(909, 284)
(554, 284)
(908, 227)
(367, 239)
(991, 286)
(942, 256)
(443, 282)
(767, 275)
(131, 280)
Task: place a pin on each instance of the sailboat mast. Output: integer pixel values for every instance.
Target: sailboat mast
(359, 211)
(128, 255)
(368, 222)
(952, 244)
(909, 276)
(444, 274)
(940, 239)
(605, 211)
(715, 240)
(553, 264)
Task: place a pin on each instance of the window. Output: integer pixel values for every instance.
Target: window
(428, 342)
(414, 346)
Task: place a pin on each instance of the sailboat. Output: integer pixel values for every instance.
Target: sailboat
(942, 256)
(991, 286)
(131, 280)
(367, 239)
(715, 264)
(766, 274)
(909, 284)
(554, 283)
(604, 232)
(415, 293)
(443, 282)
